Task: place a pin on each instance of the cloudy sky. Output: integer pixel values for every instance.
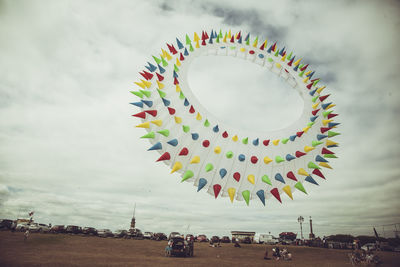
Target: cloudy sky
(70, 152)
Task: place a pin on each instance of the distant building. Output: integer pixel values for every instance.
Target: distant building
(241, 235)
(23, 221)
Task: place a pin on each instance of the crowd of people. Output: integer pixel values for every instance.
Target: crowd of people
(361, 256)
(215, 244)
(279, 254)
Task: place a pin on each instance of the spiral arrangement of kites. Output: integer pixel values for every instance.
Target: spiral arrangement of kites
(222, 160)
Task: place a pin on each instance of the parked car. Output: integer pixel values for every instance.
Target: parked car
(202, 238)
(369, 246)
(174, 234)
(225, 239)
(385, 246)
(139, 234)
(286, 241)
(38, 228)
(246, 240)
(57, 229)
(120, 233)
(44, 228)
(104, 233)
(215, 239)
(148, 235)
(189, 238)
(22, 227)
(160, 236)
(6, 224)
(33, 227)
(135, 233)
(73, 229)
(334, 245)
(89, 231)
(178, 246)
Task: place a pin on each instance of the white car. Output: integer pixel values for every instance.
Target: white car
(33, 227)
(44, 228)
(174, 234)
(120, 233)
(369, 246)
(148, 235)
(104, 233)
(39, 228)
(22, 227)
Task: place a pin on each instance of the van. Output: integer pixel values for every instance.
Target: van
(267, 239)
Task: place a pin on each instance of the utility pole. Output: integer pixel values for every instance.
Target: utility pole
(301, 220)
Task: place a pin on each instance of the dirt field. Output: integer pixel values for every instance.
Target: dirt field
(62, 250)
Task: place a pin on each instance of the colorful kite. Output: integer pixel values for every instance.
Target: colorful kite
(220, 159)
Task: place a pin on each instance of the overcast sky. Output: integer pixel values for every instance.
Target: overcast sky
(70, 152)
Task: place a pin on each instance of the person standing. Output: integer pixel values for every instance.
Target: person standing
(276, 253)
(26, 235)
(266, 255)
(191, 246)
(13, 226)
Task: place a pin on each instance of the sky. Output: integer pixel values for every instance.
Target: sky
(70, 152)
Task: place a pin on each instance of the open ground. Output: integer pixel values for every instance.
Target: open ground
(67, 250)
